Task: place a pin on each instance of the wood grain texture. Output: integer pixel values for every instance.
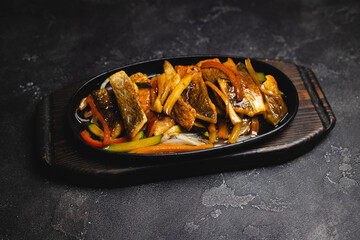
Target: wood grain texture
(314, 119)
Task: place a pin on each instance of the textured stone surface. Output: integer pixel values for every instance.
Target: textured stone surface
(46, 45)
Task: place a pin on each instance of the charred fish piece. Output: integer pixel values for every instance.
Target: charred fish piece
(197, 95)
(105, 102)
(132, 115)
(276, 108)
(183, 113)
(253, 102)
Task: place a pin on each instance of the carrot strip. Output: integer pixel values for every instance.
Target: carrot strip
(254, 126)
(91, 103)
(232, 66)
(169, 148)
(235, 81)
(223, 132)
(229, 108)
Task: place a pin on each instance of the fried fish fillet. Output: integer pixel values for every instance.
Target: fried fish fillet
(132, 115)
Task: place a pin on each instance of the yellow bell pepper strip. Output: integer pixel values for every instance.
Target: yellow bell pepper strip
(171, 80)
(94, 129)
(229, 108)
(212, 131)
(235, 81)
(160, 82)
(175, 94)
(165, 93)
(173, 130)
(170, 148)
(128, 146)
(91, 103)
(235, 133)
(252, 72)
(86, 136)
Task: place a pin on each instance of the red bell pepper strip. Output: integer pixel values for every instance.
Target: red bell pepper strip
(235, 81)
(150, 130)
(154, 85)
(91, 103)
(119, 140)
(86, 136)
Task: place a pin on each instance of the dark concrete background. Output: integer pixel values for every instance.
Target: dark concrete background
(47, 45)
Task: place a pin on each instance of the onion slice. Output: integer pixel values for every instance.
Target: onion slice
(104, 83)
(185, 138)
(80, 119)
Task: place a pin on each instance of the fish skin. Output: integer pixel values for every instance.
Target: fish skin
(197, 95)
(183, 113)
(132, 115)
(105, 102)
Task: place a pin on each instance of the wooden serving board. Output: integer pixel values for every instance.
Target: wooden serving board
(58, 149)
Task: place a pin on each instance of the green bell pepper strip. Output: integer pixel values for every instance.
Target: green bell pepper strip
(128, 146)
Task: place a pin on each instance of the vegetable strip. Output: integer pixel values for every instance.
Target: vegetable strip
(128, 146)
(235, 133)
(160, 81)
(175, 94)
(150, 128)
(86, 136)
(169, 148)
(91, 103)
(94, 129)
(254, 126)
(223, 132)
(212, 131)
(119, 140)
(252, 72)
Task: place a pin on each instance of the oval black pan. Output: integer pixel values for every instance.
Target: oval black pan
(154, 67)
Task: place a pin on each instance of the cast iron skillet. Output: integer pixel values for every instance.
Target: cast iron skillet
(155, 67)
